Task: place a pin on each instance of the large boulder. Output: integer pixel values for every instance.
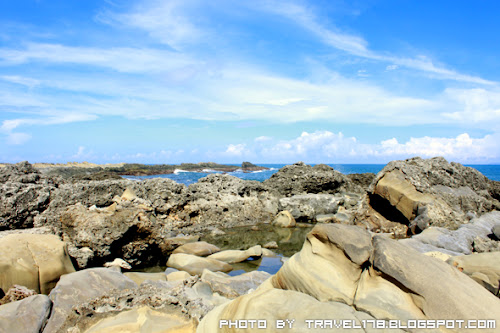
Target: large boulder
(124, 230)
(300, 178)
(82, 286)
(33, 261)
(234, 256)
(484, 268)
(234, 286)
(197, 248)
(421, 193)
(27, 315)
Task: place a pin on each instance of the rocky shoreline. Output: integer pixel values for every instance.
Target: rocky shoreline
(378, 244)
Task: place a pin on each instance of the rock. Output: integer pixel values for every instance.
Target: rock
(325, 218)
(454, 242)
(271, 245)
(487, 264)
(485, 245)
(202, 249)
(34, 261)
(234, 256)
(268, 253)
(170, 244)
(305, 207)
(300, 178)
(82, 286)
(178, 276)
(128, 194)
(271, 305)
(195, 265)
(421, 193)
(27, 315)
(118, 262)
(234, 286)
(438, 255)
(382, 277)
(284, 219)
(363, 180)
(140, 277)
(144, 319)
(496, 231)
(128, 232)
(16, 293)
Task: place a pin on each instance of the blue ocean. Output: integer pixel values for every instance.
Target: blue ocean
(186, 177)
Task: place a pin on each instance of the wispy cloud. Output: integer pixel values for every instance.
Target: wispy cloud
(358, 46)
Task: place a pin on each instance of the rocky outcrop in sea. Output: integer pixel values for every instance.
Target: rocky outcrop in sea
(417, 241)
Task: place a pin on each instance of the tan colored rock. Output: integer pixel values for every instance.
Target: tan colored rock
(195, 265)
(118, 262)
(202, 249)
(144, 320)
(483, 268)
(33, 261)
(129, 194)
(178, 276)
(401, 194)
(234, 256)
(284, 219)
(140, 277)
(438, 255)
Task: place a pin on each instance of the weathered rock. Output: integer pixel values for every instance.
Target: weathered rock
(284, 219)
(270, 245)
(79, 287)
(271, 305)
(485, 245)
(16, 293)
(195, 265)
(431, 192)
(305, 207)
(128, 232)
(363, 180)
(34, 261)
(234, 256)
(144, 319)
(382, 277)
(198, 249)
(496, 231)
(454, 242)
(234, 286)
(300, 178)
(483, 268)
(27, 315)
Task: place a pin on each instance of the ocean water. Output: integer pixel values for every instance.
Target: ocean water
(186, 177)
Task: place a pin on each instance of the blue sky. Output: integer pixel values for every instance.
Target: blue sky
(157, 81)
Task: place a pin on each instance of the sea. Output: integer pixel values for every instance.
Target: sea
(188, 177)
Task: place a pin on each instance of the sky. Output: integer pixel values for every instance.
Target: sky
(326, 81)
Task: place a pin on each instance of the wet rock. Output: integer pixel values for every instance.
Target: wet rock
(195, 265)
(202, 249)
(27, 315)
(300, 178)
(234, 256)
(79, 287)
(284, 219)
(306, 207)
(34, 261)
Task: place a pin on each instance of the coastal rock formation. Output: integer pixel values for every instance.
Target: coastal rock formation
(234, 286)
(234, 256)
(300, 178)
(305, 207)
(484, 268)
(195, 265)
(420, 193)
(201, 249)
(370, 276)
(284, 219)
(33, 261)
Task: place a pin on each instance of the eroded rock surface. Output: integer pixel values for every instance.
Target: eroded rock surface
(27, 315)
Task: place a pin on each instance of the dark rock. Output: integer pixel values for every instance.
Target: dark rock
(300, 178)
(363, 180)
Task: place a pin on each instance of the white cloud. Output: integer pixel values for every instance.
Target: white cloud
(236, 150)
(123, 59)
(17, 138)
(325, 146)
(25, 81)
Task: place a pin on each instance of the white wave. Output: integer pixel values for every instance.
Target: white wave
(210, 171)
(178, 171)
